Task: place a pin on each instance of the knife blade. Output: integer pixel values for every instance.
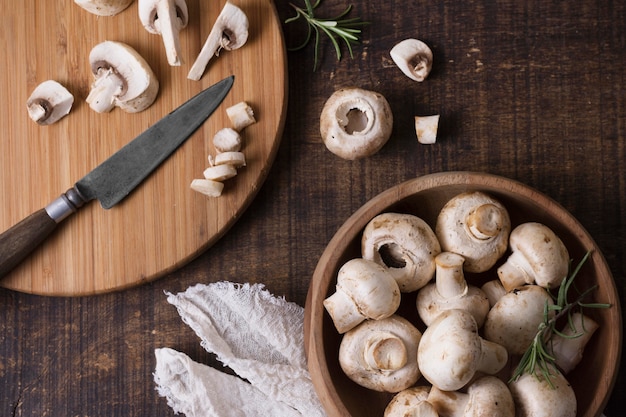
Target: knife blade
(115, 178)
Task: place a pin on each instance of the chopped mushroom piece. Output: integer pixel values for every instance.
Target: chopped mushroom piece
(49, 102)
(538, 256)
(355, 123)
(487, 396)
(227, 140)
(207, 187)
(411, 402)
(229, 32)
(381, 354)
(365, 290)
(236, 159)
(414, 58)
(241, 115)
(166, 18)
(104, 7)
(403, 243)
(122, 78)
(220, 172)
(426, 129)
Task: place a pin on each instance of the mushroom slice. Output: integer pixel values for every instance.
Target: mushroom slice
(122, 78)
(413, 57)
(165, 18)
(236, 159)
(227, 139)
(240, 115)
(355, 123)
(381, 354)
(49, 102)
(404, 244)
(426, 129)
(476, 226)
(229, 32)
(207, 187)
(104, 7)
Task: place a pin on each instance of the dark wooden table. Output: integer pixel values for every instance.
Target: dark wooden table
(530, 90)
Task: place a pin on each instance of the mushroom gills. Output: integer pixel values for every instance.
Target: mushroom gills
(49, 102)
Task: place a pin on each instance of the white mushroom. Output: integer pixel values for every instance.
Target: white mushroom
(403, 243)
(355, 123)
(104, 7)
(486, 397)
(426, 129)
(381, 354)
(49, 102)
(227, 140)
(220, 172)
(534, 396)
(241, 115)
(236, 159)
(493, 290)
(451, 351)
(207, 187)
(568, 344)
(411, 402)
(514, 319)
(365, 290)
(476, 226)
(229, 32)
(451, 291)
(122, 78)
(413, 57)
(166, 18)
(538, 256)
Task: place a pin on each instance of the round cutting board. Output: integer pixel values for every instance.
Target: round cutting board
(163, 224)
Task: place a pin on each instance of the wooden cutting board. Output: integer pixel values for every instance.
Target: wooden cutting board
(163, 224)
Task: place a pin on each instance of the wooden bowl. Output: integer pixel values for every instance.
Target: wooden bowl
(592, 380)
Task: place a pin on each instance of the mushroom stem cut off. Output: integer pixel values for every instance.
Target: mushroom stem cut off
(166, 18)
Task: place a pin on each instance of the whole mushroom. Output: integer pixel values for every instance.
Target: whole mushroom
(381, 354)
(487, 396)
(538, 256)
(451, 351)
(411, 402)
(568, 344)
(355, 123)
(476, 226)
(365, 290)
(451, 291)
(122, 78)
(403, 243)
(514, 319)
(535, 396)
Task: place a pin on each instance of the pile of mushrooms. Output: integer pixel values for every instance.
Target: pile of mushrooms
(457, 360)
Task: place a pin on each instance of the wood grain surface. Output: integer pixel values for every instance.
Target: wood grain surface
(526, 89)
(163, 224)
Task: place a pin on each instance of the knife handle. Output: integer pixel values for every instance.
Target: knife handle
(21, 239)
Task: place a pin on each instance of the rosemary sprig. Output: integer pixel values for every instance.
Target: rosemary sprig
(336, 28)
(537, 360)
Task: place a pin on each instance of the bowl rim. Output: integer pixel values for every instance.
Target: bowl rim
(314, 310)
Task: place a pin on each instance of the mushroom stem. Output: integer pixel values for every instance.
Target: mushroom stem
(493, 290)
(569, 343)
(450, 280)
(104, 90)
(385, 352)
(485, 221)
(493, 357)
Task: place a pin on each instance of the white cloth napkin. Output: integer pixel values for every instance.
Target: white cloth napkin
(259, 336)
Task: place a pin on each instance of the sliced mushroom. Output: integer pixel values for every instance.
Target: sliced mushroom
(122, 78)
(365, 290)
(487, 396)
(426, 129)
(538, 256)
(403, 243)
(355, 123)
(240, 115)
(514, 319)
(220, 172)
(451, 291)
(104, 7)
(166, 18)
(229, 32)
(227, 140)
(476, 226)
(381, 354)
(535, 396)
(411, 402)
(207, 187)
(414, 58)
(451, 351)
(236, 159)
(49, 102)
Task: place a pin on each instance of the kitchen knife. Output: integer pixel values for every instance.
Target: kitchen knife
(116, 177)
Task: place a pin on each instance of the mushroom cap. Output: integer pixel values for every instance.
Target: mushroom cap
(104, 7)
(365, 290)
(49, 102)
(476, 226)
(139, 84)
(513, 320)
(403, 243)
(355, 123)
(486, 396)
(450, 350)
(413, 57)
(411, 402)
(538, 256)
(535, 397)
(381, 354)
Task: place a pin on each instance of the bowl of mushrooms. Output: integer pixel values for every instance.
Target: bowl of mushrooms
(462, 294)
